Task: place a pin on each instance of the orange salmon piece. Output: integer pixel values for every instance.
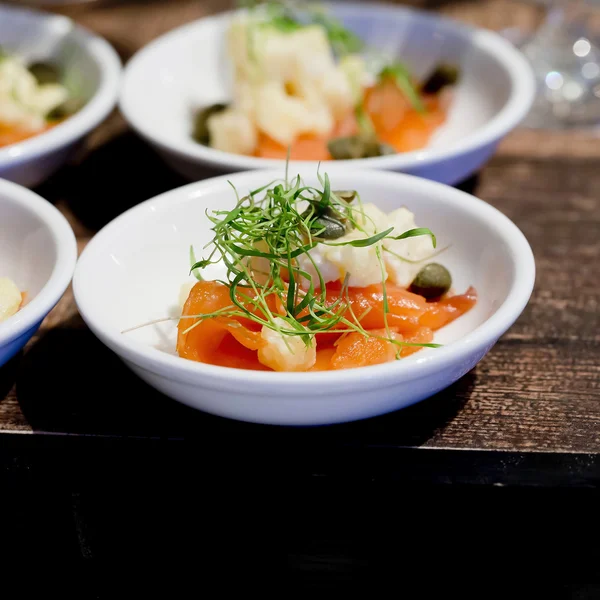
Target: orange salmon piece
(12, 135)
(446, 310)
(201, 342)
(323, 359)
(405, 307)
(422, 336)
(357, 350)
(396, 122)
(306, 147)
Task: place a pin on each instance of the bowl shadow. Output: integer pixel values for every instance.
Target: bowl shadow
(70, 383)
(8, 374)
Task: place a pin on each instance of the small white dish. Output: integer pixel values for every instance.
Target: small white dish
(133, 270)
(188, 68)
(38, 252)
(90, 63)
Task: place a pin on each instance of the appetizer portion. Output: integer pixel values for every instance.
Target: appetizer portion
(10, 298)
(316, 279)
(304, 84)
(32, 98)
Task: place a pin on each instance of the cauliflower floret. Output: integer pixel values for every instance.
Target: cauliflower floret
(418, 248)
(328, 270)
(288, 83)
(232, 131)
(288, 56)
(284, 117)
(10, 298)
(46, 98)
(23, 102)
(361, 263)
(354, 68)
(372, 219)
(337, 92)
(279, 356)
(243, 98)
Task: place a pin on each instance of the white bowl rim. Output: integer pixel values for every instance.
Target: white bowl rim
(64, 266)
(87, 118)
(409, 368)
(511, 114)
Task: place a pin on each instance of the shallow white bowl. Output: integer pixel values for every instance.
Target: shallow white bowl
(187, 68)
(90, 64)
(38, 252)
(132, 272)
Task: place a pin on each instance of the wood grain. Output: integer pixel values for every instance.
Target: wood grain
(537, 390)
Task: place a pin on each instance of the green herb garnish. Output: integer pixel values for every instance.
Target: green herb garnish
(401, 76)
(265, 240)
(289, 16)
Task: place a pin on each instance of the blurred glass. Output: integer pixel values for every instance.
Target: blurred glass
(565, 56)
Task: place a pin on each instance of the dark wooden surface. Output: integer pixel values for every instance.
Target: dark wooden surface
(528, 414)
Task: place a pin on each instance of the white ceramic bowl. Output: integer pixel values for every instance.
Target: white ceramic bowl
(38, 252)
(132, 272)
(188, 68)
(91, 65)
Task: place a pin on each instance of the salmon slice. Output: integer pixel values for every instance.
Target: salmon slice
(357, 350)
(201, 342)
(323, 359)
(304, 148)
(396, 122)
(367, 305)
(12, 135)
(422, 336)
(448, 309)
(234, 341)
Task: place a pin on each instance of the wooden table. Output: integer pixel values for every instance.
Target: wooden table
(528, 414)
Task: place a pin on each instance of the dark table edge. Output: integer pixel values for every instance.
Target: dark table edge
(73, 457)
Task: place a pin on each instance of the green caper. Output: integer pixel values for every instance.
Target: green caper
(201, 133)
(357, 146)
(443, 75)
(66, 109)
(432, 281)
(328, 228)
(45, 72)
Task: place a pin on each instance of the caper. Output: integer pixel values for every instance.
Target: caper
(66, 109)
(443, 75)
(432, 281)
(201, 133)
(328, 228)
(45, 72)
(357, 146)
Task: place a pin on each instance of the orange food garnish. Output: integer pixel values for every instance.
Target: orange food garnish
(12, 135)
(357, 350)
(396, 123)
(234, 341)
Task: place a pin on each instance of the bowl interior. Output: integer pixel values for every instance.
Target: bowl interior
(28, 249)
(189, 68)
(38, 36)
(134, 270)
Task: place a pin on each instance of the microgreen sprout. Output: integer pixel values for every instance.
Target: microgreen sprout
(261, 242)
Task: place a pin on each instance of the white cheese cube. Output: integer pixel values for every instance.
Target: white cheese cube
(10, 298)
(294, 355)
(402, 272)
(232, 131)
(362, 264)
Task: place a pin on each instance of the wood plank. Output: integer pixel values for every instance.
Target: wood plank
(537, 390)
